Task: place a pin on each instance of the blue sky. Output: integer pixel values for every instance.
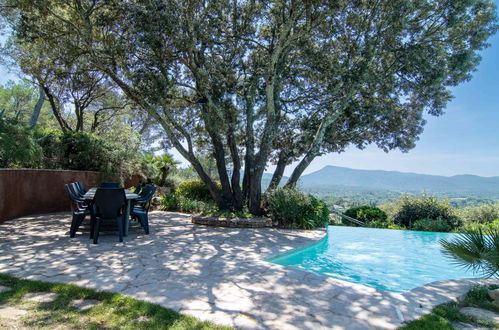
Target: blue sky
(465, 140)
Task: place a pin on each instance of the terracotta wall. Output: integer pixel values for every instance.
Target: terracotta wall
(31, 191)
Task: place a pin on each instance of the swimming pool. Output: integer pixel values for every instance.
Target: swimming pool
(390, 260)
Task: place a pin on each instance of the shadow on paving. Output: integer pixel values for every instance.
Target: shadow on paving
(215, 274)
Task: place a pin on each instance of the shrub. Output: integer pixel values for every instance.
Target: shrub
(412, 209)
(475, 226)
(371, 216)
(195, 190)
(215, 212)
(432, 225)
(174, 202)
(82, 151)
(18, 147)
(294, 209)
(169, 202)
(191, 205)
(50, 141)
(486, 213)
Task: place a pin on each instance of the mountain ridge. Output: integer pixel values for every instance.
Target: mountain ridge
(336, 177)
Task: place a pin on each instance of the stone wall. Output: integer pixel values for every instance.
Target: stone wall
(233, 222)
(33, 191)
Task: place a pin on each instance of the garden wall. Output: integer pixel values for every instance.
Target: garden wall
(32, 191)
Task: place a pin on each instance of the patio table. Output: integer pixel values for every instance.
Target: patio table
(129, 197)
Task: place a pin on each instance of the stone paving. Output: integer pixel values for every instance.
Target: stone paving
(215, 274)
(84, 304)
(11, 313)
(40, 297)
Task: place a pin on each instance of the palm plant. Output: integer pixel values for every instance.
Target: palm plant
(475, 250)
(166, 164)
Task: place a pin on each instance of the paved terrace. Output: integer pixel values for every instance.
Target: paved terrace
(216, 274)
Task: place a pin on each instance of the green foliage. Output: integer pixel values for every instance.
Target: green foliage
(439, 225)
(294, 209)
(175, 202)
(194, 206)
(371, 216)
(411, 209)
(245, 214)
(157, 169)
(477, 295)
(50, 142)
(82, 151)
(475, 226)
(475, 250)
(169, 202)
(49, 148)
(17, 102)
(18, 148)
(342, 99)
(194, 190)
(486, 213)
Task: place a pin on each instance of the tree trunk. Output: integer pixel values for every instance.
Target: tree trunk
(255, 194)
(55, 110)
(236, 172)
(279, 171)
(298, 171)
(38, 108)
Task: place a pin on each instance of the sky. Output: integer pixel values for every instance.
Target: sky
(465, 140)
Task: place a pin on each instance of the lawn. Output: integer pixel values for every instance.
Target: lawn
(112, 311)
(442, 317)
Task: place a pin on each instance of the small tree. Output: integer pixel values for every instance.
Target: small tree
(165, 163)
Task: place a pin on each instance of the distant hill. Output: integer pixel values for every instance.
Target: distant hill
(335, 178)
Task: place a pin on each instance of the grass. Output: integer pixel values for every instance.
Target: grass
(114, 311)
(442, 316)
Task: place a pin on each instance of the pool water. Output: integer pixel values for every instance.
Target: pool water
(390, 260)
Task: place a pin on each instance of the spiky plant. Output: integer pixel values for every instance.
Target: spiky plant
(475, 250)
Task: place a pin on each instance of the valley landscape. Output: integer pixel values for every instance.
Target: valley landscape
(351, 187)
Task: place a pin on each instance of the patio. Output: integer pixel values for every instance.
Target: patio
(216, 274)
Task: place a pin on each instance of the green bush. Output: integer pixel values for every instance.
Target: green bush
(174, 202)
(371, 216)
(476, 226)
(82, 151)
(169, 202)
(294, 209)
(50, 142)
(486, 213)
(18, 148)
(412, 209)
(195, 190)
(440, 225)
(193, 206)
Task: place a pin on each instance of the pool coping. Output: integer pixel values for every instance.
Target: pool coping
(413, 303)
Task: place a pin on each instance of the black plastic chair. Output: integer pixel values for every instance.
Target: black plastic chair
(76, 190)
(81, 187)
(109, 185)
(109, 204)
(79, 210)
(140, 210)
(139, 189)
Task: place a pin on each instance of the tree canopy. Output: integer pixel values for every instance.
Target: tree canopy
(254, 82)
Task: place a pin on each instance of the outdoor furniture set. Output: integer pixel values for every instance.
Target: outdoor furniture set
(109, 203)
